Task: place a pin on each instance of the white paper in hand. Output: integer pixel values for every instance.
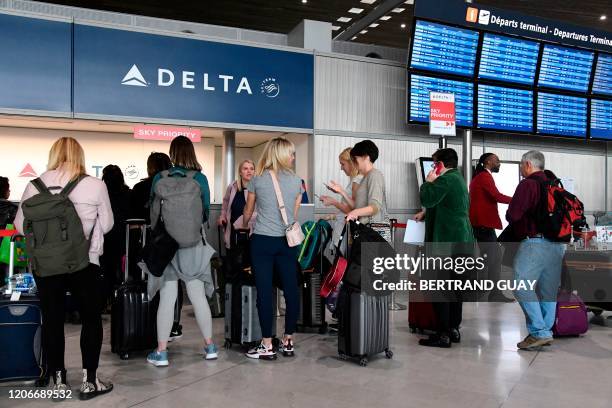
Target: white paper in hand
(415, 233)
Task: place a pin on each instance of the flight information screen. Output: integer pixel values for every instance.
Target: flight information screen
(601, 119)
(441, 48)
(562, 115)
(602, 83)
(565, 68)
(505, 109)
(420, 86)
(508, 59)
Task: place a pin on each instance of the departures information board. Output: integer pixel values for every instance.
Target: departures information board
(561, 115)
(566, 68)
(601, 119)
(501, 108)
(442, 48)
(508, 59)
(602, 83)
(421, 86)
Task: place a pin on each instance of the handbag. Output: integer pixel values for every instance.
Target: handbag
(159, 249)
(293, 232)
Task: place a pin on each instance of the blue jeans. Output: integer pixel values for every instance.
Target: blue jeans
(539, 259)
(271, 255)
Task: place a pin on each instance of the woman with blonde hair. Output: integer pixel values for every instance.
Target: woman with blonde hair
(66, 175)
(234, 202)
(347, 202)
(191, 264)
(270, 251)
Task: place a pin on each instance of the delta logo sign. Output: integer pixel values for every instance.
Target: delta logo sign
(269, 87)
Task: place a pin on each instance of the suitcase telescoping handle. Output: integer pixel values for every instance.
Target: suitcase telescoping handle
(133, 223)
(12, 255)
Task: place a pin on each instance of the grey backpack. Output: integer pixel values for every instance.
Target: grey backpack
(55, 240)
(182, 210)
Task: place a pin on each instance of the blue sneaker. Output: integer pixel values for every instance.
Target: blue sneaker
(211, 352)
(158, 358)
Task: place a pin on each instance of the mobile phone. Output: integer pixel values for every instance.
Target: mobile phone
(438, 168)
(327, 186)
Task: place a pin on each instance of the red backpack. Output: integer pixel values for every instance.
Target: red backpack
(561, 212)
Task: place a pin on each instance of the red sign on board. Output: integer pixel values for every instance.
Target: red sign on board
(147, 132)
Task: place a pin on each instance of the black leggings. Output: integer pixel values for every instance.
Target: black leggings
(84, 286)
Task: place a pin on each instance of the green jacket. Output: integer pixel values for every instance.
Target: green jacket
(447, 206)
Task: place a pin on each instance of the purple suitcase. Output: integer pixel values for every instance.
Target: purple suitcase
(571, 318)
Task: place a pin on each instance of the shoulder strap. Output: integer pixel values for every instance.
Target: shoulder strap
(279, 197)
(71, 185)
(40, 186)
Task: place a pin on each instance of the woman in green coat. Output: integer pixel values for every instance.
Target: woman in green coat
(448, 233)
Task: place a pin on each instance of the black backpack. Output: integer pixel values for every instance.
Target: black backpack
(366, 245)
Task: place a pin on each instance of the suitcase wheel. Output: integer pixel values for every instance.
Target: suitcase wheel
(342, 356)
(124, 356)
(388, 353)
(227, 344)
(363, 362)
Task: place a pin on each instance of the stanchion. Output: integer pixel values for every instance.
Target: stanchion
(393, 305)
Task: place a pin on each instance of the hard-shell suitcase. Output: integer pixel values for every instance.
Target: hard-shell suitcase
(20, 332)
(589, 273)
(363, 325)
(133, 313)
(312, 306)
(421, 316)
(241, 316)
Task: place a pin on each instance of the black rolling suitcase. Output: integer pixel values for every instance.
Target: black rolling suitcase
(133, 314)
(312, 306)
(363, 325)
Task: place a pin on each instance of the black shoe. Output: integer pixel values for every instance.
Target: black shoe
(176, 332)
(455, 336)
(436, 341)
(287, 349)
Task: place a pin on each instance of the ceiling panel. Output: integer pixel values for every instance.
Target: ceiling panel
(281, 16)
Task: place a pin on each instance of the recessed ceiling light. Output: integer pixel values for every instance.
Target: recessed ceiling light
(403, 25)
(335, 28)
(374, 25)
(356, 10)
(398, 10)
(304, 1)
(344, 19)
(363, 31)
(385, 18)
(368, 1)
(409, 2)
(354, 38)
(603, 17)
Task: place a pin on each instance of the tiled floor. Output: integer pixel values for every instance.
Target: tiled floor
(485, 370)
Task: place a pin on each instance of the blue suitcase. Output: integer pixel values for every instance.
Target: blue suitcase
(20, 339)
(20, 334)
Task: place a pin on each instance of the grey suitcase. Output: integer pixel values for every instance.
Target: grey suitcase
(363, 325)
(241, 316)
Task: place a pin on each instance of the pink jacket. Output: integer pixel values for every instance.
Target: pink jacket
(90, 198)
(226, 211)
